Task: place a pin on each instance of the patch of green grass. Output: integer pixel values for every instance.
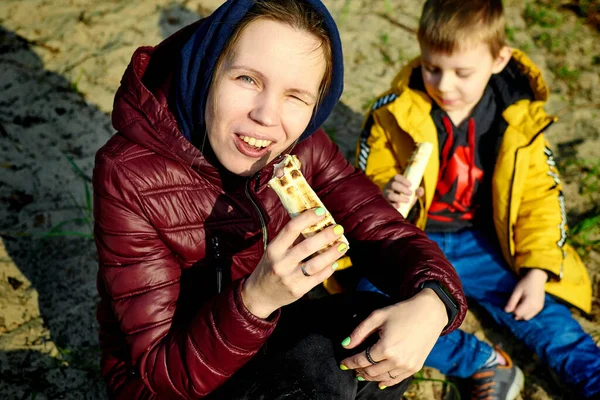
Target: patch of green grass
(384, 38)
(388, 7)
(526, 47)
(383, 45)
(419, 377)
(85, 209)
(596, 60)
(541, 15)
(585, 235)
(387, 58)
(557, 44)
(569, 75)
(75, 84)
(344, 12)
(510, 33)
(64, 356)
(591, 180)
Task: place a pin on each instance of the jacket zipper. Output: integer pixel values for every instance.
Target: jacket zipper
(263, 224)
(257, 182)
(218, 263)
(512, 181)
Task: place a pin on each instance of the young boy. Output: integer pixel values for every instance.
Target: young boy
(491, 196)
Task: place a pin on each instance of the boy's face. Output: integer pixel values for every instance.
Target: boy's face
(456, 81)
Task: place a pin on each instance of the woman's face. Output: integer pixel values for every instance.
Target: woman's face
(264, 95)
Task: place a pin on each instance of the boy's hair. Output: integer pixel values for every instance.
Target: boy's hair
(448, 25)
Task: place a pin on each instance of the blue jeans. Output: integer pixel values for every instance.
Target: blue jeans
(553, 334)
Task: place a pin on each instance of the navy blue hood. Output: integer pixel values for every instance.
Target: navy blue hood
(199, 56)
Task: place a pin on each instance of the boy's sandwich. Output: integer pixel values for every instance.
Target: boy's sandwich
(414, 172)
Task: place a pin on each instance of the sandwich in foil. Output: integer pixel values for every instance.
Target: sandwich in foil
(414, 172)
(296, 194)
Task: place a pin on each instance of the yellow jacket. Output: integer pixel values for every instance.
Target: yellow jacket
(528, 204)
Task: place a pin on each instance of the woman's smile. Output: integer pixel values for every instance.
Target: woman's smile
(251, 146)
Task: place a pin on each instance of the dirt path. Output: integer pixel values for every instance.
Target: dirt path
(60, 68)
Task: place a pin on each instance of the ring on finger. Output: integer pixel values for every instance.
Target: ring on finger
(368, 354)
(303, 269)
(392, 376)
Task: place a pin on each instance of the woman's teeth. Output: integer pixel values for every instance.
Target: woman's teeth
(255, 142)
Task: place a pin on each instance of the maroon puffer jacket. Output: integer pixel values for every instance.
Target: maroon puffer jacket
(169, 222)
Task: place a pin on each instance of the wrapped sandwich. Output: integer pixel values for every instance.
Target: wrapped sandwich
(297, 196)
(414, 172)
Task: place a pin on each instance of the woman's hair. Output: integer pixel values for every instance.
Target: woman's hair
(299, 15)
(447, 25)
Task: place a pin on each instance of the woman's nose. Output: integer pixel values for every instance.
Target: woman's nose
(266, 110)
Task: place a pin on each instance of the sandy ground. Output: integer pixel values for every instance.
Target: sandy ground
(61, 63)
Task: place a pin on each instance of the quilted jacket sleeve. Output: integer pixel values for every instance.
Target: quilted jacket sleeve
(541, 228)
(391, 252)
(139, 284)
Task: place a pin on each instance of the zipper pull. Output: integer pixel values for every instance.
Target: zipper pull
(257, 182)
(218, 264)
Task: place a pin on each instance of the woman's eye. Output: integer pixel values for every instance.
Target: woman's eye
(299, 99)
(247, 79)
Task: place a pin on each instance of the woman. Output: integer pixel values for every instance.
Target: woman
(201, 266)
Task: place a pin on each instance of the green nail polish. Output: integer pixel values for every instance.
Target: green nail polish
(320, 211)
(343, 367)
(342, 247)
(338, 230)
(360, 378)
(335, 266)
(382, 387)
(346, 342)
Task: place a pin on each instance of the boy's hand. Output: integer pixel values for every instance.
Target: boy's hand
(527, 299)
(397, 191)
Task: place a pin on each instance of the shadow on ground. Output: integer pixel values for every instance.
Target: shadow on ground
(48, 347)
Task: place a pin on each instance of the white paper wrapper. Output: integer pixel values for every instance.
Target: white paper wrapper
(414, 172)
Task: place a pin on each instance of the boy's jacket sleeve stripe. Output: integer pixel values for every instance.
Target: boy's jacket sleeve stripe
(364, 149)
(553, 173)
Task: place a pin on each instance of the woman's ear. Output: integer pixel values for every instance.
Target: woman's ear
(504, 56)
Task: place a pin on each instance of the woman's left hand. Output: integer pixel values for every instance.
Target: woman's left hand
(407, 332)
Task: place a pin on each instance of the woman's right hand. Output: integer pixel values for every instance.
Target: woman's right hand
(397, 191)
(278, 279)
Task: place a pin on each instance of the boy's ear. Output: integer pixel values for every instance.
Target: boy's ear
(503, 58)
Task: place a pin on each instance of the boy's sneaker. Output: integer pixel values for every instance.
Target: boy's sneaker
(498, 382)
